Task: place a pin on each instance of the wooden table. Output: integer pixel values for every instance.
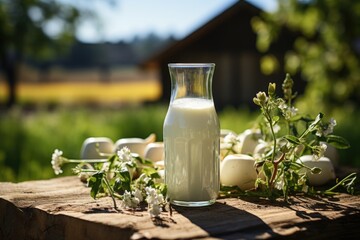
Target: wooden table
(62, 208)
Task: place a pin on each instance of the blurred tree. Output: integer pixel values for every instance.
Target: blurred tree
(34, 28)
(326, 52)
(149, 44)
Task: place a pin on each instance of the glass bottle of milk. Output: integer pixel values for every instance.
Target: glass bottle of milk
(192, 137)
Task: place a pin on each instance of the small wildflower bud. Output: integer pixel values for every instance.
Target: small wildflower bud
(316, 170)
(256, 101)
(287, 87)
(288, 82)
(261, 96)
(284, 149)
(271, 89)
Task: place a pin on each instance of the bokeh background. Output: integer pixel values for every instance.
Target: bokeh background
(75, 69)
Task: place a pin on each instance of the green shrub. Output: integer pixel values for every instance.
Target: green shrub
(28, 138)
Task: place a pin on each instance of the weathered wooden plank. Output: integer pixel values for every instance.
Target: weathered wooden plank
(62, 208)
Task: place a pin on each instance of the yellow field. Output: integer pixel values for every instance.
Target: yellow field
(129, 92)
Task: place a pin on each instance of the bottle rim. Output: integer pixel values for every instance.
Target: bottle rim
(190, 65)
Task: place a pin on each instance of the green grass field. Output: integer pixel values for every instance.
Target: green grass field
(28, 137)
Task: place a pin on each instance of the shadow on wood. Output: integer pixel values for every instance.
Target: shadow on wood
(227, 222)
(61, 208)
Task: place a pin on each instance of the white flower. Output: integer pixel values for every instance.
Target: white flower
(142, 182)
(144, 179)
(230, 138)
(288, 112)
(282, 105)
(126, 201)
(138, 194)
(324, 131)
(293, 111)
(330, 127)
(332, 122)
(155, 210)
(56, 161)
(155, 201)
(319, 133)
(319, 151)
(129, 201)
(231, 142)
(276, 128)
(151, 194)
(124, 154)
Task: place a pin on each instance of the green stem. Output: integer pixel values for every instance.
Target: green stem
(86, 160)
(111, 192)
(312, 125)
(89, 170)
(269, 119)
(276, 164)
(330, 190)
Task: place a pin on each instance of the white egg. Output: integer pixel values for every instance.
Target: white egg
(92, 146)
(333, 154)
(327, 170)
(238, 169)
(136, 145)
(154, 151)
(261, 148)
(160, 164)
(224, 132)
(249, 139)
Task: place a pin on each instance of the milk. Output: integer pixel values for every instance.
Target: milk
(192, 145)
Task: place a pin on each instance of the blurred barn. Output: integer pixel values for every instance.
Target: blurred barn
(229, 41)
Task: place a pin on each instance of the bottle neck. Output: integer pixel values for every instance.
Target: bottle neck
(191, 80)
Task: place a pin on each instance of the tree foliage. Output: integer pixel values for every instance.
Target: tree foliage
(35, 28)
(326, 51)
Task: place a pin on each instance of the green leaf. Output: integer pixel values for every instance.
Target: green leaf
(151, 172)
(124, 175)
(124, 181)
(112, 161)
(298, 117)
(266, 169)
(162, 187)
(337, 141)
(95, 183)
(143, 161)
(296, 166)
(292, 139)
(275, 119)
(120, 186)
(317, 119)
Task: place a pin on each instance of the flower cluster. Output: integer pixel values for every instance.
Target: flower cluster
(57, 161)
(155, 200)
(125, 157)
(325, 130)
(124, 176)
(278, 141)
(291, 135)
(287, 111)
(230, 144)
(143, 190)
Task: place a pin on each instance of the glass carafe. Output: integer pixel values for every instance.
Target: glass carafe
(192, 136)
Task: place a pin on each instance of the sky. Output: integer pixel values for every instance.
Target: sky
(129, 18)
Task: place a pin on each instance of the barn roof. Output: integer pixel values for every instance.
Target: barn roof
(217, 21)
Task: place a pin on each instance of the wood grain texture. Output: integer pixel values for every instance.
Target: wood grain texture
(61, 208)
